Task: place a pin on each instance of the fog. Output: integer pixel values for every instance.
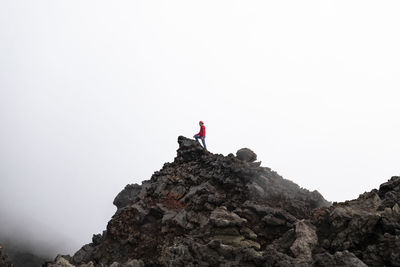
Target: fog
(93, 95)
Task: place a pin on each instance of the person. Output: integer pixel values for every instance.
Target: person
(202, 134)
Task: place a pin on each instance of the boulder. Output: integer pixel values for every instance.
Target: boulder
(221, 217)
(246, 154)
(60, 261)
(83, 255)
(127, 196)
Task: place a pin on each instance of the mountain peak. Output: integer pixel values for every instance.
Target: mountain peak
(206, 209)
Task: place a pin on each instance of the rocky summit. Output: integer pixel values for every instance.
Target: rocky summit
(206, 209)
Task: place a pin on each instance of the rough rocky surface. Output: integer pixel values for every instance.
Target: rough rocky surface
(368, 227)
(127, 196)
(206, 209)
(246, 154)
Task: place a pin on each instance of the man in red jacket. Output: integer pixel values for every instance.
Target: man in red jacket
(201, 134)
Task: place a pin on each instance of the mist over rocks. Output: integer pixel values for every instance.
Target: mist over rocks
(3, 259)
(206, 209)
(29, 242)
(16, 255)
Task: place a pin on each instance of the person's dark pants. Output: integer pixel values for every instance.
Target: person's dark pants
(202, 139)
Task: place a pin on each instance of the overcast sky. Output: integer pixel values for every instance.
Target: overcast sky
(93, 95)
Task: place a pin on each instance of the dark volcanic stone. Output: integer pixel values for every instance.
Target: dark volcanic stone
(127, 196)
(246, 154)
(206, 209)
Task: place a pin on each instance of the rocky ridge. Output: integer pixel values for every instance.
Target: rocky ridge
(206, 209)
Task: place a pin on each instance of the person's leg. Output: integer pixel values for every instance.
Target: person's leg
(197, 137)
(204, 142)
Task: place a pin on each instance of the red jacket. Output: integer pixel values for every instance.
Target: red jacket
(202, 131)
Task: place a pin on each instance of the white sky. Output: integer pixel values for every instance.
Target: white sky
(93, 95)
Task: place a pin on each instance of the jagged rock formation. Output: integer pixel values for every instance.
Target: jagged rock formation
(205, 209)
(369, 226)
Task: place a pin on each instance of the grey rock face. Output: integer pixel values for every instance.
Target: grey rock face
(221, 217)
(306, 240)
(84, 254)
(134, 263)
(60, 261)
(246, 154)
(339, 259)
(206, 209)
(127, 196)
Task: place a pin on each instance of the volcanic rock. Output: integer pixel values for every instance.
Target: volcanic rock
(246, 154)
(206, 209)
(127, 196)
